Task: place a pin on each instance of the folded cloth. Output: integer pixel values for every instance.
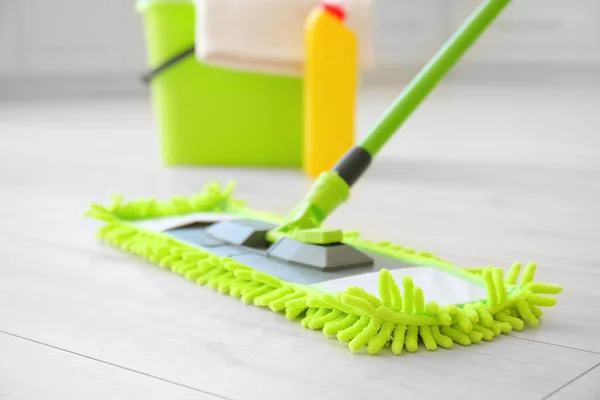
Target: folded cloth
(268, 35)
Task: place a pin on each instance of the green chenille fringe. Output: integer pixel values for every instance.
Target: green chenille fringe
(399, 318)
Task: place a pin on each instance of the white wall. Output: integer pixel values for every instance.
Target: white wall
(83, 45)
(528, 31)
(69, 46)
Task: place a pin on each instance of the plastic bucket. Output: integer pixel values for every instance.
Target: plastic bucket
(211, 115)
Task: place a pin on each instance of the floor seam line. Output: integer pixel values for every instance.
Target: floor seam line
(556, 345)
(113, 365)
(571, 381)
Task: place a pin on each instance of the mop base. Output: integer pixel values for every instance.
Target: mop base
(363, 306)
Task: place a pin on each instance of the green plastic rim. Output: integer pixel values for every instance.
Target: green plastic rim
(143, 5)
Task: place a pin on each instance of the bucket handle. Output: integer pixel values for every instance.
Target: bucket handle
(169, 63)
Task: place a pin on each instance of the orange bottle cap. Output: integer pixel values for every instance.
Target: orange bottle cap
(335, 9)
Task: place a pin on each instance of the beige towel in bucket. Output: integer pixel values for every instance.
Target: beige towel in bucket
(267, 35)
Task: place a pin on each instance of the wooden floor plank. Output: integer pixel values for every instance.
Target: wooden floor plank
(584, 387)
(31, 370)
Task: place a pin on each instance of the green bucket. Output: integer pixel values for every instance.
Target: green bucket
(207, 115)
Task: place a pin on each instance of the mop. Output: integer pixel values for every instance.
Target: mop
(370, 295)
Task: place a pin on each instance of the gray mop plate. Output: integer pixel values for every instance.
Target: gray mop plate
(327, 257)
(258, 258)
(252, 233)
(243, 232)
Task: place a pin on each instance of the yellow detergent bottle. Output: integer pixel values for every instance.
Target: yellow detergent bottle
(329, 87)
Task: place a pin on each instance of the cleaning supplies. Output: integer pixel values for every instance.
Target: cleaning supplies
(330, 74)
(359, 291)
(211, 59)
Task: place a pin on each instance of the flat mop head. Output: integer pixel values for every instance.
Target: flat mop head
(371, 295)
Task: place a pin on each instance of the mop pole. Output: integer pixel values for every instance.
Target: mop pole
(333, 187)
(356, 160)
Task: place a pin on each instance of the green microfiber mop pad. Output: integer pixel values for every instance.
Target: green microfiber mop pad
(398, 316)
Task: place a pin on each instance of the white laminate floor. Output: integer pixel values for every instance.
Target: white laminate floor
(480, 175)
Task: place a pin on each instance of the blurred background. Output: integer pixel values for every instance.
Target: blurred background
(85, 47)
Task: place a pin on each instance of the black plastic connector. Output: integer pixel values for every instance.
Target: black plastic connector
(353, 164)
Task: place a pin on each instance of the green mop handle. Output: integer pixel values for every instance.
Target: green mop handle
(333, 187)
(352, 165)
